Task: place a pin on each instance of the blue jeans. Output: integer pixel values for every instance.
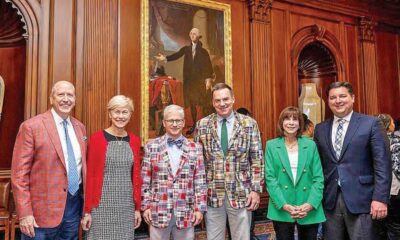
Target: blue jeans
(69, 226)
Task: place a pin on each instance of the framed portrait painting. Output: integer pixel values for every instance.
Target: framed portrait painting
(186, 50)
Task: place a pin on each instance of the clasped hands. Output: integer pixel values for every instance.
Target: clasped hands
(298, 212)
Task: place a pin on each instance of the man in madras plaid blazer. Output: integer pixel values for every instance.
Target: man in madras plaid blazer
(234, 166)
(174, 183)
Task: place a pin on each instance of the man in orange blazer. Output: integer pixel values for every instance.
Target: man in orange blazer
(49, 168)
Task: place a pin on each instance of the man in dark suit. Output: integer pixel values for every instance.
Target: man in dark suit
(197, 72)
(356, 162)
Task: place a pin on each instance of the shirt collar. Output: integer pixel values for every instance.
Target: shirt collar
(180, 137)
(346, 118)
(228, 119)
(57, 118)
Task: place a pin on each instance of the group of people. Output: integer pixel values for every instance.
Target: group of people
(343, 176)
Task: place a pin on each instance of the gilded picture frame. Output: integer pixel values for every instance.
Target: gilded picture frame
(2, 88)
(166, 26)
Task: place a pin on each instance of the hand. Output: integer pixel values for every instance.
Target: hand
(86, 221)
(304, 209)
(378, 210)
(147, 216)
(253, 201)
(27, 225)
(138, 219)
(160, 57)
(292, 210)
(197, 217)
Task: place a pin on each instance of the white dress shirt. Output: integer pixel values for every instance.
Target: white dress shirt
(229, 125)
(174, 155)
(74, 141)
(345, 126)
(294, 161)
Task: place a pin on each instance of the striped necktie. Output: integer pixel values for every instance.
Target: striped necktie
(339, 137)
(73, 182)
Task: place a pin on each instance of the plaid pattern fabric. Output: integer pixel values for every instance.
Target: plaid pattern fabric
(38, 172)
(339, 137)
(164, 193)
(241, 171)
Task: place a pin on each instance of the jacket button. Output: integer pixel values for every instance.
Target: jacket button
(286, 187)
(304, 170)
(304, 188)
(65, 189)
(283, 170)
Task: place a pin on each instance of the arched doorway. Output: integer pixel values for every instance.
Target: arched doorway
(317, 65)
(12, 70)
(316, 57)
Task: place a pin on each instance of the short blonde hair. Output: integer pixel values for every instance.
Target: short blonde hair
(174, 108)
(120, 101)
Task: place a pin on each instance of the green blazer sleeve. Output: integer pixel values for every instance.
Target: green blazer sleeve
(273, 188)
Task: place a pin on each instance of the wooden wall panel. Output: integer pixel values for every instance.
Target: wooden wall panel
(100, 60)
(12, 63)
(388, 74)
(130, 58)
(62, 41)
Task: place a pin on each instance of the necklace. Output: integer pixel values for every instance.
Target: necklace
(291, 146)
(119, 140)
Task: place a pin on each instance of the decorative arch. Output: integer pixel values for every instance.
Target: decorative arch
(36, 77)
(312, 34)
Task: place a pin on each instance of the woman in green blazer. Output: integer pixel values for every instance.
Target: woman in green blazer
(294, 180)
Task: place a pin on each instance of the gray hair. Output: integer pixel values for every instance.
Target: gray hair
(120, 101)
(174, 108)
(58, 83)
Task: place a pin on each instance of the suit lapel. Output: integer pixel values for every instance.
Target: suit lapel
(329, 139)
(50, 125)
(236, 130)
(184, 157)
(351, 130)
(213, 126)
(164, 154)
(283, 156)
(302, 156)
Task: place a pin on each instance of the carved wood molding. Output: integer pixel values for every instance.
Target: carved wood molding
(260, 10)
(316, 33)
(13, 27)
(367, 29)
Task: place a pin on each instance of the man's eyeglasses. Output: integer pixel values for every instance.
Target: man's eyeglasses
(176, 121)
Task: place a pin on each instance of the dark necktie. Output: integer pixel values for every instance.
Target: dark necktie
(177, 142)
(338, 137)
(224, 137)
(73, 182)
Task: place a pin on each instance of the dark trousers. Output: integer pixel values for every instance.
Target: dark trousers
(69, 226)
(342, 224)
(392, 222)
(285, 231)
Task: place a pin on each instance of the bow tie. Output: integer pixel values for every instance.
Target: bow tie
(177, 142)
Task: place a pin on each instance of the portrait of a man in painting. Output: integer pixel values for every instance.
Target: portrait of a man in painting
(186, 58)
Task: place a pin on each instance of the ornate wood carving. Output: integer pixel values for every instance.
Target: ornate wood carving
(13, 28)
(260, 10)
(367, 29)
(316, 33)
(368, 63)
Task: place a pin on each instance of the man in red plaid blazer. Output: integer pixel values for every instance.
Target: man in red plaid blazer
(48, 169)
(174, 183)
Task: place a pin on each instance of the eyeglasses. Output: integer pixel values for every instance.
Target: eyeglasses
(124, 113)
(172, 121)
